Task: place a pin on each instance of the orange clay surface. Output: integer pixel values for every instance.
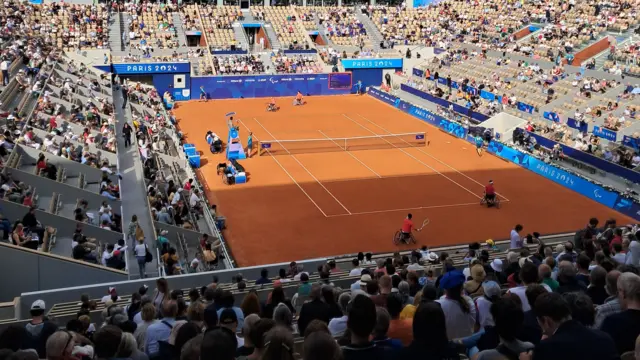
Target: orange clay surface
(310, 205)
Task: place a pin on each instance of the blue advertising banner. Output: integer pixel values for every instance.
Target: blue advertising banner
(372, 63)
(385, 97)
(582, 126)
(631, 142)
(627, 207)
(568, 180)
(151, 68)
(229, 52)
(451, 127)
(589, 159)
(417, 72)
(227, 87)
(425, 115)
(551, 116)
(487, 95)
(605, 133)
(525, 107)
(442, 102)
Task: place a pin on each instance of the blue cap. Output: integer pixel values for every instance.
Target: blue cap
(452, 279)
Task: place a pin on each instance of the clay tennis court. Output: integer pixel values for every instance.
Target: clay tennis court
(314, 204)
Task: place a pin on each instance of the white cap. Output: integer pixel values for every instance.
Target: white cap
(38, 305)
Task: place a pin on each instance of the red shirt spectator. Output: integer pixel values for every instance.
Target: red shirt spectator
(617, 239)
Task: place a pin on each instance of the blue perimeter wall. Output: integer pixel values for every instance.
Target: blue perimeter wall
(578, 184)
(226, 87)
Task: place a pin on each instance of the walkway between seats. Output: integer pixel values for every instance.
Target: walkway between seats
(133, 191)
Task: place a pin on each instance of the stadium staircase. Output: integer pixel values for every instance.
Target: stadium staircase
(182, 37)
(117, 29)
(240, 35)
(248, 16)
(266, 59)
(602, 57)
(321, 32)
(372, 31)
(132, 185)
(273, 37)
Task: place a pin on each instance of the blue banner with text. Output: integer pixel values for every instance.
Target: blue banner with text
(151, 68)
(372, 63)
(568, 180)
(605, 133)
(631, 142)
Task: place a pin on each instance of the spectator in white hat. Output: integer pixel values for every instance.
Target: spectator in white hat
(362, 283)
(111, 295)
(40, 328)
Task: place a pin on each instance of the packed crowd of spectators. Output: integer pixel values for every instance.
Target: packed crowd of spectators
(67, 26)
(538, 301)
(238, 65)
(296, 64)
(342, 26)
(152, 26)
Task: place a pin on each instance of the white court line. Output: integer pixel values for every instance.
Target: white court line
(349, 152)
(414, 158)
(405, 209)
(307, 170)
(436, 159)
(291, 177)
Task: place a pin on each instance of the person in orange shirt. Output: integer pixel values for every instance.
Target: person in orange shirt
(298, 100)
(272, 105)
(401, 329)
(380, 336)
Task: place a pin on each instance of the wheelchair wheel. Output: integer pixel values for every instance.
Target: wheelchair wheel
(483, 201)
(496, 202)
(413, 239)
(397, 237)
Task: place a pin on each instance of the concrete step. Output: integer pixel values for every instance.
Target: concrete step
(375, 36)
(273, 37)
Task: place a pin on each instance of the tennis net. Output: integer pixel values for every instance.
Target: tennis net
(374, 142)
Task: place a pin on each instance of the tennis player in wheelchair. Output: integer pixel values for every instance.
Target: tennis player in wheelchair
(298, 100)
(272, 105)
(489, 194)
(407, 228)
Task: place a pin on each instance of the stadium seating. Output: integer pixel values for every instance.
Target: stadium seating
(217, 24)
(287, 24)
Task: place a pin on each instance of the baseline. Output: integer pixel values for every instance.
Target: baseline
(302, 165)
(406, 209)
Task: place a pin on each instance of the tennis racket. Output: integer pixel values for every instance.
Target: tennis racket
(424, 223)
